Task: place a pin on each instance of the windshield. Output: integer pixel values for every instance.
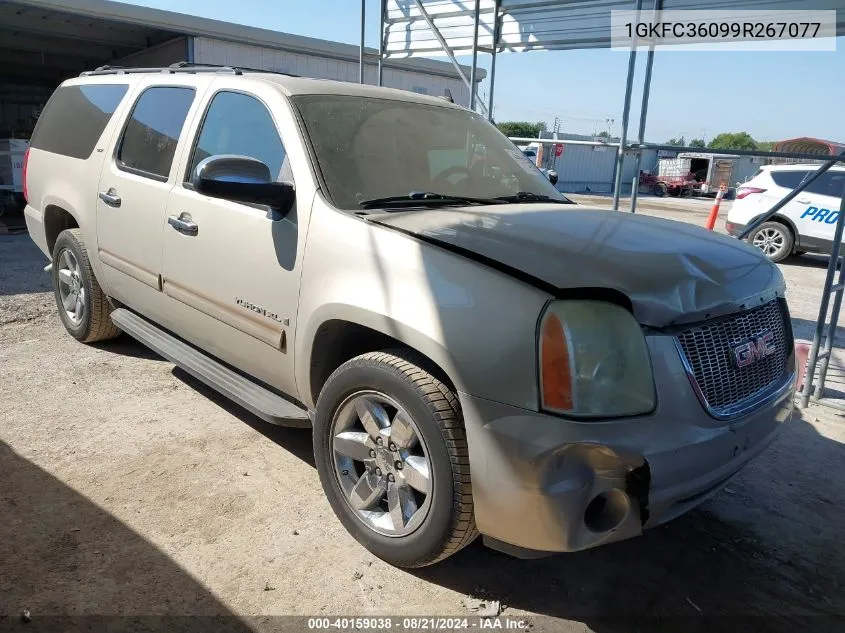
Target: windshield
(368, 149)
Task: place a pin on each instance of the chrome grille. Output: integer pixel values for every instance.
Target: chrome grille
(707, 348)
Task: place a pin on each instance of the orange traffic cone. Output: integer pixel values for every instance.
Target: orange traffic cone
(714, 212)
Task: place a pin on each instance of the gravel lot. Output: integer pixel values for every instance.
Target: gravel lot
(127, 488)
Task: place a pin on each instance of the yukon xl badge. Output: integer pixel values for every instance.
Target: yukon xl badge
(258, 309)
(749, 352)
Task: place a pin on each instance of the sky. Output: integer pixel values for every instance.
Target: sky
(770, 95)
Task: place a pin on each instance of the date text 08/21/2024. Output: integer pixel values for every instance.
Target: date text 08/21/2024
(418, 623)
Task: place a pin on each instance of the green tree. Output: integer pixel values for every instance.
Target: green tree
(697, 142)
(766, 146)
(733, 140)
(603, 134)
(680, 141)
(523, 129)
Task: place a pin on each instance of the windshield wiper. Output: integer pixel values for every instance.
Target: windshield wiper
(425, 198)
(528, 196)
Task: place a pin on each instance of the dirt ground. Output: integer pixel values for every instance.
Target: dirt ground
(129, 489)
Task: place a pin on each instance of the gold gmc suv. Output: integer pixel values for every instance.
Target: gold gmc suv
(474, 353)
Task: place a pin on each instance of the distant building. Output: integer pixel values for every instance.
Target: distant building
(806, 145)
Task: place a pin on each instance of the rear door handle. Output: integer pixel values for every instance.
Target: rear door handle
(184, 226)
(110, 197)
(803, 201)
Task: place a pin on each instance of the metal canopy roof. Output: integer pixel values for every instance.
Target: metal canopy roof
(536, 24)
(70, 31)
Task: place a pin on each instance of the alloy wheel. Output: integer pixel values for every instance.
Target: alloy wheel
(770, 241)
(381, 463)
(71, 288)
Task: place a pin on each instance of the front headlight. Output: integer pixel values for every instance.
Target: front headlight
(593, 361)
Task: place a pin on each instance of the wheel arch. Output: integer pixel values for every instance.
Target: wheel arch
(57, 219)
(337, 335)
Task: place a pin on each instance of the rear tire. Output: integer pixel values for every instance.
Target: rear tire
(660, 190)
(774, 239)
(390, 384)
(83, 306)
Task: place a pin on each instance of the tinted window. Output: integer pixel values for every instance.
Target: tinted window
(239, 124)
(74, 118)
(149, 140)
(830, 184)
(788, 179)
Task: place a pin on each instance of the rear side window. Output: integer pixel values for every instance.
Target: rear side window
(236, 123)
(152, 132)
(830, 184)
(74, 118)
(788, 179)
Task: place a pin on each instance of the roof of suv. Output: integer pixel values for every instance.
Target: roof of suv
(305, 85)
(288, 84)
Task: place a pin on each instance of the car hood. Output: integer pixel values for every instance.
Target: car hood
(672, 272)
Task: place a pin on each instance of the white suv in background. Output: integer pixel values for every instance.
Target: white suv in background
(804, 225)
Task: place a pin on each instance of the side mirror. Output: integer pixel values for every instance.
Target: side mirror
(552, 176)
(242, 179)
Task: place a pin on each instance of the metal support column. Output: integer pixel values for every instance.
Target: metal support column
(626, 115)
(381, 36)
(361, 48)
(474, 55)
(635, 185)
(496, 30)
(814, 356)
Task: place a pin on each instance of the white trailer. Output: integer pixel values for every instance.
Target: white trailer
(701, 174)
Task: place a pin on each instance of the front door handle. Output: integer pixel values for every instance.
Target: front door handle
(110, 197)
(803, 201)
(183, 225)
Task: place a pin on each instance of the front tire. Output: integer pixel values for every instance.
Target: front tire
(774, 239)
(83, 306)
(391, 452)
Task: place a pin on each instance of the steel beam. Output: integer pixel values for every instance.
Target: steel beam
(474, 55)
(496, 32)
(626, 116)
(381, 36)
(446, 49)
(649, 64)
(813, 357)
(361, 47)
(740, 152)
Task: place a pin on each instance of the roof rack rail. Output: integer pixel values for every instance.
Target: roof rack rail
(121, 70)
(179, 67)
(247, 69)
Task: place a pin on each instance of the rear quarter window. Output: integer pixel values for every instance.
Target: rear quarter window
(74, 118)
(830, 184)
(788, 179)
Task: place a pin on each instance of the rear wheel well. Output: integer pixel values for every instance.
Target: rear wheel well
(57, 220)
(338, 341)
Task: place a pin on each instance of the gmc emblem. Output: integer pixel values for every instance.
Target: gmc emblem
(749, 352)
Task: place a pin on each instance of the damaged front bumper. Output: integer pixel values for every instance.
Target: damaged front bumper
(542, 483)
